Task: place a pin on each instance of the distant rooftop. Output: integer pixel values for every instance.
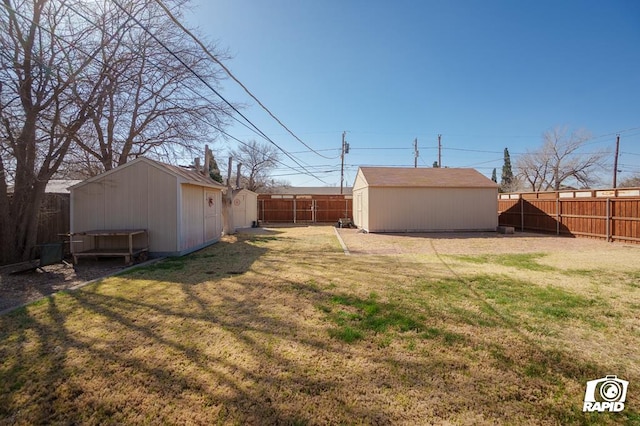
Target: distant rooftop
(60, 186)
(55, 186)
(308, 190)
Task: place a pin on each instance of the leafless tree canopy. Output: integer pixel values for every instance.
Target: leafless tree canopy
(630, 182)
(561, 161)
(83, 83)
(258, 159)
(156, 102)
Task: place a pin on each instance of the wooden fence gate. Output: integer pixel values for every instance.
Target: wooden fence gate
(303, 208)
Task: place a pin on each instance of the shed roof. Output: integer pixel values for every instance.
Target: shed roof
(425, 177)
(183, 175)
(245, 190)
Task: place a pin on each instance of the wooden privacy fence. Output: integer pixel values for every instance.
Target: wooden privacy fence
(303, 208)
(611, 215)
(53, 220)
(54, 217)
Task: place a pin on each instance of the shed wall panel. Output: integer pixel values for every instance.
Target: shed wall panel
(359, 182)
(361, 208)
(126, 198)
(360, 201)
(432, 209)
(87, 212)
(192, 216)
(245, 209)
(162, 212)
(88, 207)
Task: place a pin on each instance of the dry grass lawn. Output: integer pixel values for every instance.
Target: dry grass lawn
(283, 328)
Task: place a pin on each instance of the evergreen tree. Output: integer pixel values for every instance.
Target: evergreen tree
(435, 165)
(507, 173)
(214, 171)
(494, 177)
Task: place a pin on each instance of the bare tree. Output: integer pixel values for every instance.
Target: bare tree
(630, 182)
(258, 160)
(75, 75)
(560, 161)
(47, 91)
(154, 104)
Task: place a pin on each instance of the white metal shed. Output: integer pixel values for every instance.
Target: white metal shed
(245, 208)
(390, 199)
(179, 208)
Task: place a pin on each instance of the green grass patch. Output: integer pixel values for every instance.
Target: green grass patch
(446, 288)
(528, 261)
(589, 273)
(355, 317)
(167, 265)
(346, 334)
(633, 279)
(263, 239)
(513, 295)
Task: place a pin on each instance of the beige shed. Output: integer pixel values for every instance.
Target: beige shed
(245, 208)
(179, 209)
(389, 199)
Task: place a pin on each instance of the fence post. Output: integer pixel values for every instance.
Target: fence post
(314, 207)
(294, 209)
(521, 213)
(261, 209)
(557, 215)
(608, 224)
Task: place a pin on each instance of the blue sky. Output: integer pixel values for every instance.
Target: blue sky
(484, 74)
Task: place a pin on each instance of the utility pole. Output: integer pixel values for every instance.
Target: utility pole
(207, 159)
(227, 204)
(239, 165)
(615, 162)
(345, 150)
(439, 151)
(415, 153)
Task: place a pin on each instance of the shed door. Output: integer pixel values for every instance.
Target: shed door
(212, 215)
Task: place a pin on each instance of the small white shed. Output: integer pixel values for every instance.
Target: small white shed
(179, 208)
(389, 199)
(245, 208)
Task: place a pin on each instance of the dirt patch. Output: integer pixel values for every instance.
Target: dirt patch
(472, 243)
(26, 287)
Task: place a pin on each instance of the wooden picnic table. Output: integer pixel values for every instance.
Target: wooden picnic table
(129, 252)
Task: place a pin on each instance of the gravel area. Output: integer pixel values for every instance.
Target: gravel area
(468, 243)
(18, 289)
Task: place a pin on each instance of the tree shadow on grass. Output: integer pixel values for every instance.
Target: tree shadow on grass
(131, 344)
(247, 344)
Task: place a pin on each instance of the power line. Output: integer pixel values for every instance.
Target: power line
(208, 85)
(216, 60)
(92, 56)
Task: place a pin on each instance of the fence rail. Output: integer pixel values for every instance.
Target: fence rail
(611, 215)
